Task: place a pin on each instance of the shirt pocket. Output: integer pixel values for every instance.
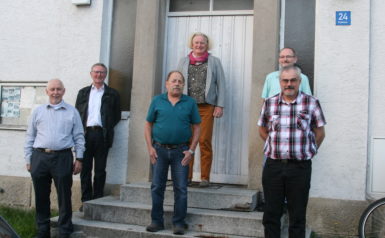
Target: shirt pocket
(303, 121)
(274, 123)
(68, 126)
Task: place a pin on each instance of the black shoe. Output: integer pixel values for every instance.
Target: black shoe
(204, 184)
(43, 235)
(154, 227)
(180, 229)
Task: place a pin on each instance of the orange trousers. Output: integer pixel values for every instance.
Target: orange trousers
(206, 112)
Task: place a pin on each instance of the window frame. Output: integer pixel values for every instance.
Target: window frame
(21, 84)
(210, 12)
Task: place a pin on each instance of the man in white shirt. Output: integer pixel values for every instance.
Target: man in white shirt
(99, 108)
(53, 130)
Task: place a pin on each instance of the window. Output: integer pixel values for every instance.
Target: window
(298, 20)
(10, 102)
(186, 6)
(122, 50)
(210, 5)
(222, 5)
(18, 99)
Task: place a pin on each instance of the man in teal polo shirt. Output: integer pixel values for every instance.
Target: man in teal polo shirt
(287, 57)
(172, 120)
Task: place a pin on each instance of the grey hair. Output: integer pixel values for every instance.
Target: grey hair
(291, 67)
(99, 64)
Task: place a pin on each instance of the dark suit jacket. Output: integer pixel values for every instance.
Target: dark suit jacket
(110, 110)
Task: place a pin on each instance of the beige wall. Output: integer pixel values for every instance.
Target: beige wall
(146, 74)
(266, 46)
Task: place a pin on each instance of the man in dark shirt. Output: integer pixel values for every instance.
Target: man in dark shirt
(99, 108)
(172, 120)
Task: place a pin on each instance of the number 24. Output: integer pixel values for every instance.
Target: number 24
(342, 16)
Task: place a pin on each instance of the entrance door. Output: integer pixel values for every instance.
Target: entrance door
(232, 43)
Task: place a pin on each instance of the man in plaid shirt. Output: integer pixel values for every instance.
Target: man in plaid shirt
(292, 126)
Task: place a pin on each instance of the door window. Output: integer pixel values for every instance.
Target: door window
(210, 5)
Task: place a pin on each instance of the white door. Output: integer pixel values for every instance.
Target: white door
(232, 43)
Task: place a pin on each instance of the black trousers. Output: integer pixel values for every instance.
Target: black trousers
(59, 167)
(290, 179)
(96, 151)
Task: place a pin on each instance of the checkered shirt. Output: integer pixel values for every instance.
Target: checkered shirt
(290, 125)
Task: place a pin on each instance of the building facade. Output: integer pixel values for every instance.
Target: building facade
(142, 40)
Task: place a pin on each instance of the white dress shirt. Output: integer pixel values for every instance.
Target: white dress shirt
(94, 104)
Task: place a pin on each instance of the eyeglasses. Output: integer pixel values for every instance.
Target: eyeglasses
(286, 81)
(286, 56)
(99, 72)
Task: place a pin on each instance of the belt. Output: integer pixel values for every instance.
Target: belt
(52, 151)
(286, 161)
(94, 128)
(171, 146)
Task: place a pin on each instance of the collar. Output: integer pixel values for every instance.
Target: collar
(58, 106)
(297, 100)
(94, 88)
(182, 97)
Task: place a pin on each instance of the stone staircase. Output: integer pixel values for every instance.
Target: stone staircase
(217, 211)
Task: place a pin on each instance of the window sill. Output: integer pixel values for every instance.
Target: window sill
(13, 127)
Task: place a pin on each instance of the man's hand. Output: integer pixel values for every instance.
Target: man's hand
(153, 154)
(263, 132)
(218, 112)
(77, 167)
(28, 167)
(187, 157)
(319, 133)
(148, 137)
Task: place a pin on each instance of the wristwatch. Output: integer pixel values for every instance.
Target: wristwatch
(191, 151)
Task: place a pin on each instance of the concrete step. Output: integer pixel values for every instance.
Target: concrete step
(110, 209)
(219, 197)
(99, 229)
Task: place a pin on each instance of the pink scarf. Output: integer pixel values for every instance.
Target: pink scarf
(200, 59)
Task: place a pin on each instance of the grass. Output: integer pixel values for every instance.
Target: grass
(22, 220)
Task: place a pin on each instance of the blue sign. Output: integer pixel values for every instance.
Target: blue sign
(343, 18)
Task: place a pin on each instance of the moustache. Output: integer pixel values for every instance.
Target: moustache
(175, 87)
(289, 87)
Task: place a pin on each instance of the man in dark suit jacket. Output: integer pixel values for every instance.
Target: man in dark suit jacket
(99, 108)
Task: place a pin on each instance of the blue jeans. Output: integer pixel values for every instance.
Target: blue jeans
(179, 173)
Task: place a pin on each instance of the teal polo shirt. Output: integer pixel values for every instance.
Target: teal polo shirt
(172, 124)
(272, 86)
